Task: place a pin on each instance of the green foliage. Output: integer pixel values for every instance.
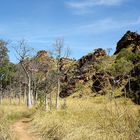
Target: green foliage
(124, 62)
(7, 72)
(3, 52)
(121, 67)
(103, 64)
(127, 54)
(7, 69)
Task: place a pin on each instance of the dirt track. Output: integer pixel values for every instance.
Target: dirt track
(20, 131)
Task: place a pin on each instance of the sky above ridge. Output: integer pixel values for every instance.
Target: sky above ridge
(84, 24)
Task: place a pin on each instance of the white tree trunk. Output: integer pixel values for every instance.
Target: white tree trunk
(20, 94)
(36, 96)
(29, 98)
(32, 98)
(57, 95)
(29, 94)
(0, 99)
(0, 93)
(10, 92)
(51, 101)
(25, 93)
(46, 103)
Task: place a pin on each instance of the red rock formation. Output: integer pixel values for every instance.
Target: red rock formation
(82, 73)
(130, 38)
(92, 56)
(99, 52)
(42, 54)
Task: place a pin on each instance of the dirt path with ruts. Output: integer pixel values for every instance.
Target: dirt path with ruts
(20, 130)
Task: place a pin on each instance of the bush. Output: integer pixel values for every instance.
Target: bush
(121, 67)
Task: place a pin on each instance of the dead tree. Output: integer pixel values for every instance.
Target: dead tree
(60, 54)
(108, 51)
(23, 52)
(59, 44)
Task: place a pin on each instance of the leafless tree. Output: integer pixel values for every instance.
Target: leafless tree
(59, 45)
(23, 52)
(61, 52)
(108, 50)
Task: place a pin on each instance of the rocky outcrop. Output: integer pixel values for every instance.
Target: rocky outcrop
(42, 54)
(70, 83)
(86, 69)
(131, 41)
(99, 52)
(82, 73)
(92, 56)
(102, 80)
(65, 64)
(130, 38)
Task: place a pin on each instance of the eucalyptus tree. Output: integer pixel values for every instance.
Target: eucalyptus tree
(58, 45)
(3, 62)
(24, 53)
(60, 52)
(7, 69)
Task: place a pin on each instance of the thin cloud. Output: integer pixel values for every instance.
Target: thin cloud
(87, 4)
(108, 24)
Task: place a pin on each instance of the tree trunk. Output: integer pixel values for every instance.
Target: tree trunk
(46, 103)
(32, 98)
(65, 103)
(19, 93)
(0, 99)
(29, 98)
(10, 96)
(25, 94)
(129, 83)
(50, 101)
(1, 93)
(36, 96)
(57, 95)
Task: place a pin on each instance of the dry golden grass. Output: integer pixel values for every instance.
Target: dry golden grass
(8, 115)
(90, 119)
(86, 118)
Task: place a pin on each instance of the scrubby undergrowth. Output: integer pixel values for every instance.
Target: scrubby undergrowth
(86, 118)
(8, 115)
(90, 118)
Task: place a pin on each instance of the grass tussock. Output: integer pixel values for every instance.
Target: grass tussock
(90, 119)
(8, 115)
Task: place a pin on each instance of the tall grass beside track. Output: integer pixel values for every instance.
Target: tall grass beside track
(10, 114)
(90, 119)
